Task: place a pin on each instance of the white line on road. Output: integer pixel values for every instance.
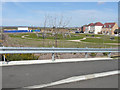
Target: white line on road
(75, 78)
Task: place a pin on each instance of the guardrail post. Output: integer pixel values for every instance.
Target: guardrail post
(86, 54)
(4, 58)
(53, 57)
(109, 54)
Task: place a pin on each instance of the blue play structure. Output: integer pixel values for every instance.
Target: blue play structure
(20, 31)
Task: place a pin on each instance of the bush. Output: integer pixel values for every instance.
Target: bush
(99, 32)
(105, 54)
(93, 54)
(74, 53)
(16, 57)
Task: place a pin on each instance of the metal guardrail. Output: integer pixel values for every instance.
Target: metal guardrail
(13, 50)
(16, 50)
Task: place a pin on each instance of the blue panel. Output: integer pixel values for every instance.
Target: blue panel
(19, 31)
(15, 31)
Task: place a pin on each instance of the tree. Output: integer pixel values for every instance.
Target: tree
(45, 25)
(56, 22)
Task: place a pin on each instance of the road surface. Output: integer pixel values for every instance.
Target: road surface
(28, 75)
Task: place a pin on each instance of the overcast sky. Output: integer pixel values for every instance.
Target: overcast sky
(32, 13)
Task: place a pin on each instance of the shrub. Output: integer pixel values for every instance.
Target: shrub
(16, 57)
(93, 54)
(105, 54)
(99, 32)
(74, 53)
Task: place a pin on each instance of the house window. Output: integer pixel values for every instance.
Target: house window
(105, 30)
(86, 28)
(109, 26)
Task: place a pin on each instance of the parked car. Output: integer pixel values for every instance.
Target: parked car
(77, 31)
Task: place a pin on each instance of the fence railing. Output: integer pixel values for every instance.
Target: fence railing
(16, 50)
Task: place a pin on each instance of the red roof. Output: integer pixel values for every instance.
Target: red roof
(91, 24)
(85, 25)
(98, 24)
(108, 25)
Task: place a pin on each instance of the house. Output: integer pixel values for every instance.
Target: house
(84, 28)
(88, 28)
(22, 28)
(96, 28)
(109, 28)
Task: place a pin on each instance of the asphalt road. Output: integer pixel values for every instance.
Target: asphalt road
(0, 55)
(0, 45)
(28, 75)
(103, 82)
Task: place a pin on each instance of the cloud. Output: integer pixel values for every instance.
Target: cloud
(101, 3)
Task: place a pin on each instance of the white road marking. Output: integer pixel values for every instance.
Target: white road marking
(75, 78)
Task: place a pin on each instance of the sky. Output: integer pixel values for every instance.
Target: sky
(78, 13)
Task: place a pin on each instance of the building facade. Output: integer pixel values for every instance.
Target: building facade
(22, 28)
(96, 28)
(89, 28)
(84, 29)
(109, 28)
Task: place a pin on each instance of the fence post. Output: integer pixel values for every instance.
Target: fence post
(53, 57)
(109, 54)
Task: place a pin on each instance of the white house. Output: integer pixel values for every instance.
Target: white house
(96, 28)
(88, 28)
(22, 28)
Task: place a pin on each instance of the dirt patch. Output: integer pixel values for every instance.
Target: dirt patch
(80, 40)
(75, 40)
(112, 43)
(70, 55)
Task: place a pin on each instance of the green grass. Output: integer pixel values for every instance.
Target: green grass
(33, 41)
(50, 43)
(31, 35)
(48, 36)
(101, 40)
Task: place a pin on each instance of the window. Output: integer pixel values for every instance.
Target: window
(104, 25)
(109, 26)
(86, 28)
